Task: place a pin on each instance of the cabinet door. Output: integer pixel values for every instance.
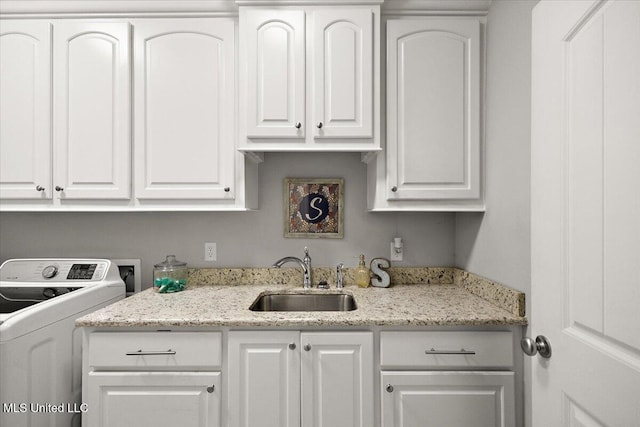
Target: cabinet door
(433, 109)
(452, 399)
(91, 110)
(184, 82)
(342, 69)
(25, 110)
(264, 379)
(337, 379)
(151, 399)
(273, 71)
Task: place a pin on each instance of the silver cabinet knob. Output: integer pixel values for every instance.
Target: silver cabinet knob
(298, 125)
(58, 188)
(389, 388)
(307, 347)
(540, 345)
(319, 125)
(292, 346)
(394, 188)
(39, 188)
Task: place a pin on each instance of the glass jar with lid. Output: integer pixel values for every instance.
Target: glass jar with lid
(170, 275)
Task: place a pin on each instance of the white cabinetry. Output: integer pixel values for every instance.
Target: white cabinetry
(88, 155)
(309, 78)
(25, 110)
(288, 378)
(91, 110)
(433, 146)
(184, 107)
(453, 379)
(152, 378)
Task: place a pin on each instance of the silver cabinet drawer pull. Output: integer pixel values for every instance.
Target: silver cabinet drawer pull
(461, 351)
(151, 353)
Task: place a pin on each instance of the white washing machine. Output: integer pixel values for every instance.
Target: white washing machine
(40, 347)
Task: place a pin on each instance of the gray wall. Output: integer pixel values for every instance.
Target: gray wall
(243, 238)
(496, 244)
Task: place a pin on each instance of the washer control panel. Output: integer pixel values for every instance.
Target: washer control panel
(52, 270)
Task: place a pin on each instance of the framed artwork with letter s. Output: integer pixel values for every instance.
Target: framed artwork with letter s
(314, 207)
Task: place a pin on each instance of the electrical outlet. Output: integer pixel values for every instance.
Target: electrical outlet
(395, 255)
(210, 252)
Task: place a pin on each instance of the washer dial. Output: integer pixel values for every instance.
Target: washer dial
(49, 271)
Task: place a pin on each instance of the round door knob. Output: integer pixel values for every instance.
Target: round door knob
(394, 189)
(39, 188)
(298, 125)
(211, 388)
(307, 347)
(58, 188)
(389, 388)
(319, 125)
(227, 189)
(540, 345)
(292, 346)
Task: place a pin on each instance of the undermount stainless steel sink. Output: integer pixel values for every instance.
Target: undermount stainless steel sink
(304, 302)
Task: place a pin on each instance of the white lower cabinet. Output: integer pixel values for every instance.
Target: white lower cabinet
(152, 379)
(292, 378)
(187, 399)
(452, 399)
(456, 379)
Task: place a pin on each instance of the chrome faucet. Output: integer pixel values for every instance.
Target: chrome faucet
(305, 265)
(339, 276)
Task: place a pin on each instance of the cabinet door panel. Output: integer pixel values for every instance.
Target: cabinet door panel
(184, 108)
(264, 379)
(25, 110)
(433, 82)
(452, 399)
(151, 399)
(337, 379)
(274, 67)
(91, 68)
(342, 71)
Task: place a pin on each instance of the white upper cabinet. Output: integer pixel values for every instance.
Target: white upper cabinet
(25, 110)
(309, 79)
(343, 73)
(184, 81)
(91, 110)
(433, 148)
(274, 52)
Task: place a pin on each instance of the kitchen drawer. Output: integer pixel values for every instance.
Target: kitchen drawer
(155, 350)
(446, 350)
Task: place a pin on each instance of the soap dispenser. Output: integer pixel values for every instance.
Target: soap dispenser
(362, 274)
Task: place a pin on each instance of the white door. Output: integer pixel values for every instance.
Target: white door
(337, 379)
(272, 45)
(342, 69)
(586, 212)
(25, 110)
(433, 109)
(152, 399)
(91, 110)
(264, 379)
(184, 90)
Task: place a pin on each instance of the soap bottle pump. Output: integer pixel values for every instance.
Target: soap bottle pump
(362, 274)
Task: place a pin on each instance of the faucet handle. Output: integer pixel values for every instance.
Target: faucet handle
(339, 276)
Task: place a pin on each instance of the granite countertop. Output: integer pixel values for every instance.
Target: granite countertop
(462, 302)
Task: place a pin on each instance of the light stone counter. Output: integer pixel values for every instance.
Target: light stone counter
(447, 297)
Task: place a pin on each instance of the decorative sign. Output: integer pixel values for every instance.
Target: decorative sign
(313, 207)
